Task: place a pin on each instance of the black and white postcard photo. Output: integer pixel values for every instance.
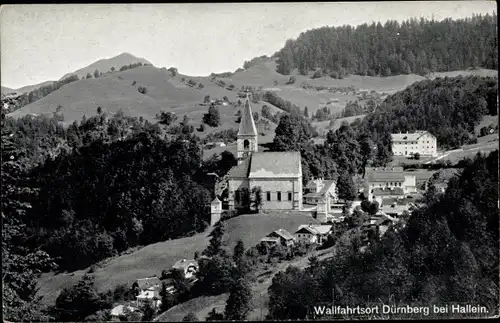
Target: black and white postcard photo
(300, 161)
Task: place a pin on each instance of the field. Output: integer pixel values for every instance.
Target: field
(152, 259)
(324, 126)
(250, 228)
(201, 306)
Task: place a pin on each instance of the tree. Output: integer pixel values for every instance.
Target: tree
(148, 313)
(239, 251)
(291, 80)
(346, 187)
(80, 301)
(214, 316)
(292, 133)
(190, 317)
(99, 110)
(142, 90)
(167, 118)
(174, 71)
(112, 69)
(96, 73)
(357, 218)
(20, 265)
(257, 198)
(215, 243)
(89, 76)
(238, 303)
(206, 99)
(416, 156)
(225, 98)
(167, 299)
(212, 118)
(306, 112)
(201, 128)
(217, 274)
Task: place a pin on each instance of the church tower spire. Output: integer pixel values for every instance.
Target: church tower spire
(247, 133)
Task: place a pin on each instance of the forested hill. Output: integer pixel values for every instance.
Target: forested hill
(449, 108)
(413, 46)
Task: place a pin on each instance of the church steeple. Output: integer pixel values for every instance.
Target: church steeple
(247, 133)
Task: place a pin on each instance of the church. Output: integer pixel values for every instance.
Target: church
(279, 174)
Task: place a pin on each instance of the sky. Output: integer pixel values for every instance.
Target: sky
(44, 42)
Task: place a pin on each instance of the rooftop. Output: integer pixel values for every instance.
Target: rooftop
(408, 136)
(381, 192)
(247, 124)
(327, 184)
(145, 283)
(283, 233)
(183, 263)
(240, 171)
(275, 164)
(384, 174)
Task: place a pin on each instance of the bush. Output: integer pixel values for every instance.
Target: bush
(142, 89)
(317, 74)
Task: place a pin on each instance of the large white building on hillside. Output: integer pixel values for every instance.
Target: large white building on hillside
(408, 144)
(278, 174)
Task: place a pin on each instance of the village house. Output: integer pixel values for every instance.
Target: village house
(386, 182)
(280, 236)
(409, 144)
(187, 267)
(318, 188)
(310, 233)
(148, 291)
(278, 174)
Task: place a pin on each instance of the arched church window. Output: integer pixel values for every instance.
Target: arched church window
(246, 144)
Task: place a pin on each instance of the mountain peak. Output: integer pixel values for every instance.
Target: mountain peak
(104, 65)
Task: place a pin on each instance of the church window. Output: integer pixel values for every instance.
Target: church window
(268, 196)
(289, 196)
(246, 144)
(279, 196)
(237, 196)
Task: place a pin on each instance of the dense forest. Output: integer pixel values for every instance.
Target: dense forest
(106, 184)
(449, 108)
(412, 46)
(437, 258)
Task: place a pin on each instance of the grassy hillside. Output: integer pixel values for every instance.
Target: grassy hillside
(324, 126)
(104, 65)
(28, 88)
(152, 259)
(6, 90)
(167, 93)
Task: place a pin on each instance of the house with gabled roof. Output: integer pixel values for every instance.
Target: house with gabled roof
(318, 188)
(278, 174)
(387, 182)
(313, 233)
(187, 267)
(280, 236)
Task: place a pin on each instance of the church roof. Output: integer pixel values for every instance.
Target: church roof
(241, 170)
(247, 124)
(275, 165)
